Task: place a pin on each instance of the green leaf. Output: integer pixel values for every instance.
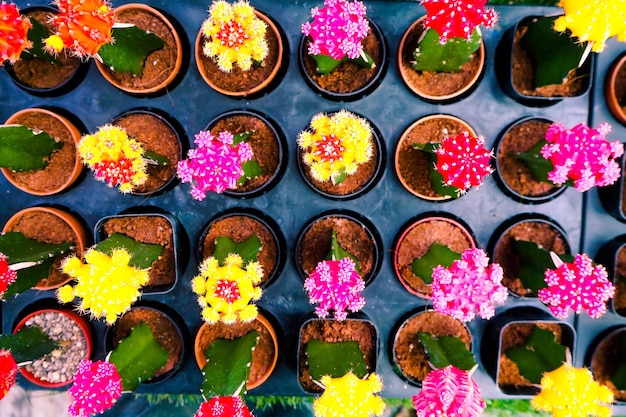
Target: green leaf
(242, 137)
(251, 169)
(337, 253)
(23, 149)
(538, 165)
(431, 55)
(554, 54)
(143, 255)
(619, 376)
(447, 350)
(29, 277)
(326, 64)
(335, 359)
(228, 365)
(130, 49)
(155, 158)
(541, 353)
(138, 357)
(248, 249)
(28, 344)
(339, 178)
(37, 35)
(437, 254)
(534, 262)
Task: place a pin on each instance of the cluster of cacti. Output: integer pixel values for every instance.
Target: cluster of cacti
(8, 372)
(7, 275)
(350, 396)
(13, 33)
(235, 35)
(224, 406)
(336, 146)
(97, 386)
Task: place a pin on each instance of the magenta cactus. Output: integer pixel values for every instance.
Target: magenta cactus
(457, 18)
(336, 286)
(215, 165)
(468, 286)
(449, 391)
(582, 155)
(224, 406)
(578, 285)
(97, 386)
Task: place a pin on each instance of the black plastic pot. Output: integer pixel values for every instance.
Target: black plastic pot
(612, 196)
(604, 356)
(612, 95)
(608, 256)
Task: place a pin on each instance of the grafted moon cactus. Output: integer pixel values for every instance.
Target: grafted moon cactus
(13, 33)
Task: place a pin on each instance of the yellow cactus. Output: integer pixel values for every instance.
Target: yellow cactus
(225, 292)
(350, 396)
(234, 35)
(569, 391)
(107, 285)
(593, 21)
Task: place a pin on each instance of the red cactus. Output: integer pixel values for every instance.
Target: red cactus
(227, 406)
(8, 372)
(457, 18)
(7, 275)
(13, 33)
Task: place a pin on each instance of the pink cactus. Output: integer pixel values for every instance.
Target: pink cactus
(449, 392)
(13, 33)
(215, 165)
(468, 286)
(580, 285)
(7, 275)
(463, 161)
(337, 29)
(227, 406)
(336, 286)
(583, 155)
(457, 18)
(8, 372)
(97, 386)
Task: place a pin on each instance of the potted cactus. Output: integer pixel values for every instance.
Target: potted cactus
(441, 55)
(605, 358)
(350, 395)
(342, 53)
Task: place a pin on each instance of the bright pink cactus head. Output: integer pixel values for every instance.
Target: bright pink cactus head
(469, 286)
(578, 285)
(463, 161)
(457, 18)
(583, 155)
(7, 275)
(13, 33)
(336, 286)
(8, 372)
(215, 165)
(227, 406)
(449, 392)
(337, 29)
(97, 386)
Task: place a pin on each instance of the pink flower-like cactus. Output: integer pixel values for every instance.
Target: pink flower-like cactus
(337, 29)
(468, 286)
(215, 165)
(449, 392)
(583, 155)
(97, 386)
(7, 275)
(336, 286)
(578, 285)
(226, 406)
(457, 18)
(463, 161)
(8, 372)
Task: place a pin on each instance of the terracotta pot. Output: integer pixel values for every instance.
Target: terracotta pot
(127, 82)
(512, 175)
(612, 255)
(422, 83)
(55, 219)
(412, 165)
(356, 327)
(612, 196)
(605, 356)
(615, 88)
(254, 88)
(65, 165)
(355, 234)
(268, 146)
(415, 239)
(511, 328)
(406, 352)
(264, 356)
(331, 85)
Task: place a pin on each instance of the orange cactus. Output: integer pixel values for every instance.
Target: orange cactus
(13, 33)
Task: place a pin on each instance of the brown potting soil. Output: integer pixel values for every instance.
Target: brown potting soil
(334, 331)
(619, 300)
(505, 254)
(240, 228)
(604, 361)
(409, 353)
(417, 242)
(41, 73)
(413, 163)
(61, 162)
(351, 236)
(513, 171)
(154, 230)
(154, 135)
(348, 76)
(264, 144)
(162, 327)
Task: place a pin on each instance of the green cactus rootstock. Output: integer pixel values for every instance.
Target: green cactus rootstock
(447, 350)
(335, 359)
(337, 253)
(130, 49)
(251, 168)
(143, 255)
(618, 378)
(28, 344)
(36, 35)
(437, 254)
(248, 249)
(534, 261)
(23, 149)
(432, 55)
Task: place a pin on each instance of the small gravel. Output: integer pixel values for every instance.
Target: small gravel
(59, 365)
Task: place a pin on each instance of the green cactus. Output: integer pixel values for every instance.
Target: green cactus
(335, 359)
(437, 254)
(248, 249)
(251, 168)
(36, 35)
(447, 350)
(23, 149)
(130, 49)
(143, 255)
(337, 253)
(432, 55)
(28, 344)
(534, 261)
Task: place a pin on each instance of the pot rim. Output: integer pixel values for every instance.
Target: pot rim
(609, 89)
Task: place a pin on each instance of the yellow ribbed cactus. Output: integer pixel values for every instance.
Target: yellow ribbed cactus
(350, 396)
(593, 21)
(224, 292)
(107, 285)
